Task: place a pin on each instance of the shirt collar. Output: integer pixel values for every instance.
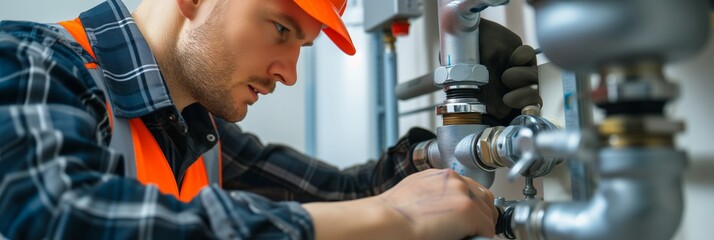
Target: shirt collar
(132, 76)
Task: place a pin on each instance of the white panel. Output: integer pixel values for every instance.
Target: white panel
(694, 107)
(343, 114)
(417, 55)
(280, 117)
(50, 11)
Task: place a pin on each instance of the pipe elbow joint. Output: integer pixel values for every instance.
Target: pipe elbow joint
(639, 196)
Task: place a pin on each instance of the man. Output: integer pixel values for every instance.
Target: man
(71, 93)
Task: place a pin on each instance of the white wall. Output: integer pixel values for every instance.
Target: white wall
(50, 11)
(694, 107)
(280, 117)
(343, 97)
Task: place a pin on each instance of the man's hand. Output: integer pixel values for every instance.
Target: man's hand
(512, 71)
(440, 204)
(432, 204)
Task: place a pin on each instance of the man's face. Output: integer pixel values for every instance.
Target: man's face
(239, 50)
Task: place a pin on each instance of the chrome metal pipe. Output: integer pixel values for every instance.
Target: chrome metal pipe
(458, 24)
(459, 38)
(639, 196)
(582, 35)
(459, 42)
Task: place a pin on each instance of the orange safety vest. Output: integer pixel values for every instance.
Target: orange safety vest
(135, 141)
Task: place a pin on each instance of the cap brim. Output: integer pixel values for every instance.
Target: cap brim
(335, 29)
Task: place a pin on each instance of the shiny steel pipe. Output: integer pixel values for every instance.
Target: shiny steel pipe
(639, 196)
(583, 35)
(457, 30)
(459, 42)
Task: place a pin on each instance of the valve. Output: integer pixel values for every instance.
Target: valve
(516, 147)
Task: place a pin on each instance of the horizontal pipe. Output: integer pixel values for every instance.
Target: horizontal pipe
(416, 87)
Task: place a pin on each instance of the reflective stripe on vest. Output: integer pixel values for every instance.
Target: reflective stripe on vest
(143, 157)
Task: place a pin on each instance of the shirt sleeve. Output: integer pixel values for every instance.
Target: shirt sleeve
(59, 180)
(282, 173)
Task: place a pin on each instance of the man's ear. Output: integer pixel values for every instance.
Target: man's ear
(188, 8)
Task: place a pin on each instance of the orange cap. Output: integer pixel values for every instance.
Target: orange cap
(400, 28)
(328, 12)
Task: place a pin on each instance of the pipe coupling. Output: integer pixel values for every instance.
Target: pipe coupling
(486, 151)
(527, 220)
(426, 154)
(420, 156)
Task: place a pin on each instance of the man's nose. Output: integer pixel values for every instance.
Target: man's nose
(285, 70)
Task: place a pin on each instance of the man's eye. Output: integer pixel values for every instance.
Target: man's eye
(281, 29)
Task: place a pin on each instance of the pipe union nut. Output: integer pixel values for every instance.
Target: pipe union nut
(475, 73)
(505, 147)
(484, 150)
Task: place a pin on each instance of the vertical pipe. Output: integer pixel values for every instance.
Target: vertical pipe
(310, 102)
(458, 33)
(578, 116)
(376, 76)
(391, 111)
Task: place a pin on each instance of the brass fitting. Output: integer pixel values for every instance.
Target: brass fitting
(639, 131)
(389, 40)
(461, 119)
(487, 156)
(531, 110)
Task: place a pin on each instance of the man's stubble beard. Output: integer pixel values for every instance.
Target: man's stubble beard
(203, 70)
(199, 63)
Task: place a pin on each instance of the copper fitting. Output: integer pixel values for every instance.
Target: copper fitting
(461, 119)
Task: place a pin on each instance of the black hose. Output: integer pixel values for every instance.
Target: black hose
(503, 224)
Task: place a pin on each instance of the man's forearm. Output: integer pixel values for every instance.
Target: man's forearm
(366, 218)
(280, 171)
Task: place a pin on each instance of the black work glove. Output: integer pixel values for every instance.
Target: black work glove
(512, 71)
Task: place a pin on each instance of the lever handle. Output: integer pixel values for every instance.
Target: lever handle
(524, 141)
